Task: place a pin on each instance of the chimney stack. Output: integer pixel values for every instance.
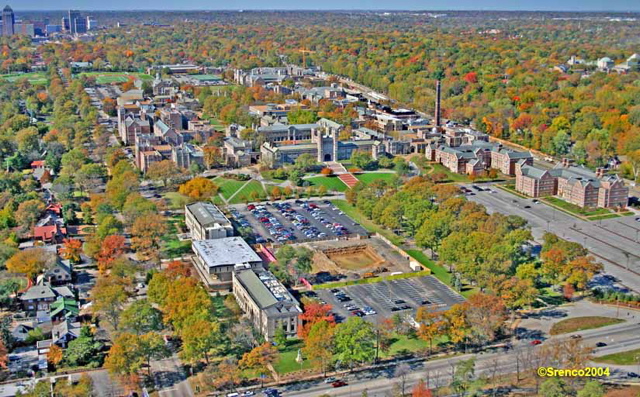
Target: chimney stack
(438, 121)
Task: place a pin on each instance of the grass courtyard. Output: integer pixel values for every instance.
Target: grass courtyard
(33, 77)
(332, 183)
(245, 193)
(370, 177)
(574, 209)
(228, 187)
(114, 77)
(582, 323)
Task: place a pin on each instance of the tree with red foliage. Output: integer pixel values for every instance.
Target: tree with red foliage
(420, 390)
(568, 291)
(111, 249)
(471, 77)
(178, 269)
(314, 312)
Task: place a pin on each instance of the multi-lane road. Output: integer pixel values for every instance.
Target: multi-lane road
(438, 373)
(614, 242)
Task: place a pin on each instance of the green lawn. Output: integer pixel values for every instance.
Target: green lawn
(630, 357)
(574, 209)
(33, 77)
(439, 272)
(366, 223)
(601, 217)
(451, 176)
(203, 77)
(331, 182)
(176, 200)
(228, 186)
(114, 77)
(245, 192)
(375, 176)
(582, 323)
(287, 361)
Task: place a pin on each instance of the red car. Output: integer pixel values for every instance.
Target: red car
(339, 383)
(536, 342)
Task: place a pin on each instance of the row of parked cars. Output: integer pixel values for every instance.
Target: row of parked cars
(271, 223)
(299, 221)
(319, 215)
(346, 300)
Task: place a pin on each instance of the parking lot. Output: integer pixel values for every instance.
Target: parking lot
(382, 300)
(295, 221)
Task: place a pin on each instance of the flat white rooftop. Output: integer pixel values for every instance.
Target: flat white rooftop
(225, 251)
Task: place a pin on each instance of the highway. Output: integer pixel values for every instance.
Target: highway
(438, 373)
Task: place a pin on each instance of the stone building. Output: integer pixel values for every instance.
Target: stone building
(267, 303)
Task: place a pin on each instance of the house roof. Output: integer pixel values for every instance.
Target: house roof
(66, 306)
(65, 327)
(39, 291)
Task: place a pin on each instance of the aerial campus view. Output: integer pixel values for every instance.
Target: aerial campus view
(324, 199)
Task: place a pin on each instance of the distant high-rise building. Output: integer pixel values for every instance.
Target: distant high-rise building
(66, 27)
(72, 16)
(92, 23)
(53, 29)
(8, 21)
(438, 99)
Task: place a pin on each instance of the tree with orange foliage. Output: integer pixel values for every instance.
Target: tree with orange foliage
(29, 262)
(421, 390)
(199, 188)
(485, 315)
(177, 269)
(432, 325)
(4, 359)
(259, 358)
(54, 357)
(147, 232)
(111, 249)
(71, 250)
(314, 312)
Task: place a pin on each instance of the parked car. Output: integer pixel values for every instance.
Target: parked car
(330, 379)
(536, 342)
(339, 383)
(601, 344)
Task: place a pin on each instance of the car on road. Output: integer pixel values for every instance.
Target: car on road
(527, 206)
(271, 392)
(632, 375)
(248, 393)
(330, 379)
(339, 383)
(638, 219)
(601, 344)
(576, 336)
(536, 342)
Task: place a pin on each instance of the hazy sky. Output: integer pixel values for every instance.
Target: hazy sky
(534, 5)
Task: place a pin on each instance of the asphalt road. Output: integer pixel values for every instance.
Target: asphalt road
(439, 372)
(169, 378)
(612, 241)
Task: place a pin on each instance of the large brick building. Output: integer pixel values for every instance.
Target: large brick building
(576, 185)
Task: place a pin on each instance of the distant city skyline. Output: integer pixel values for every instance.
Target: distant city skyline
(460, 5)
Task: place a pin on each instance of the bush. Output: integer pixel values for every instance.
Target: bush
(354, 170)
(326, 171)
